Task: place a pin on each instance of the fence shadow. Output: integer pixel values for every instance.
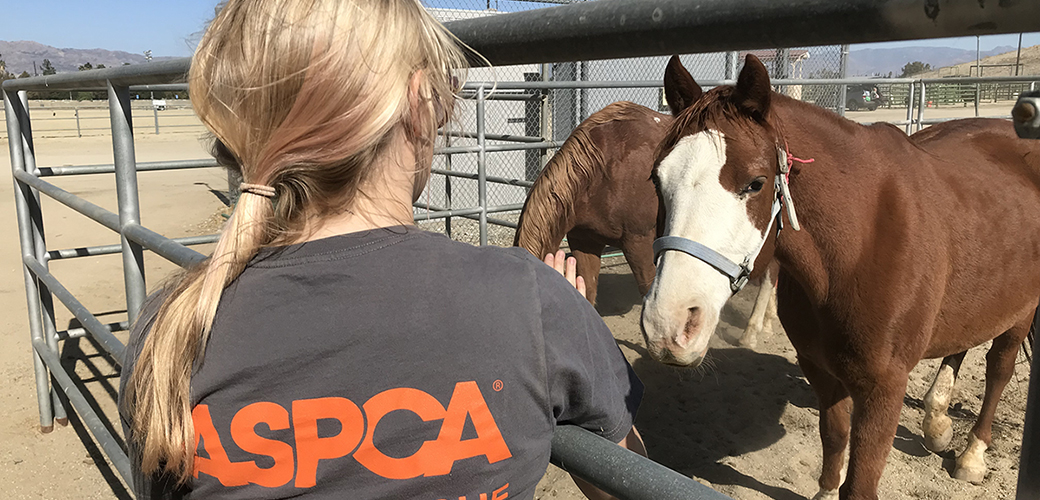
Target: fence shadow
(96, 374)
(221, 194)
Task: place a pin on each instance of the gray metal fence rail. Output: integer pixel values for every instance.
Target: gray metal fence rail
(592, 30)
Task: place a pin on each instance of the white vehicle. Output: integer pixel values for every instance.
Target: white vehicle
(159, 104)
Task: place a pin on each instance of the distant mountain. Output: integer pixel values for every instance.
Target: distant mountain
(20, 55)
(867, 62)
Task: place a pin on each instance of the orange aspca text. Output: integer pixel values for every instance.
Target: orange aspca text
(434, 458)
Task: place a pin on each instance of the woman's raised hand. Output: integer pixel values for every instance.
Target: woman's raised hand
(567, 266)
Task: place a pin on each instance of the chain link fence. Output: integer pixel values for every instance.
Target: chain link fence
(525, 116)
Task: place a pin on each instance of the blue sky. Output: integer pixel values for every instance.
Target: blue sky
(164, 27)
(168, 28)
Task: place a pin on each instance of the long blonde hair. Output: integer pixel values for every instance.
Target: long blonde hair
(305, 95)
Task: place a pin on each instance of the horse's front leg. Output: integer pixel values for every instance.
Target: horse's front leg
(639, 252)
(834, 426)
(877, 399)
(587, 255)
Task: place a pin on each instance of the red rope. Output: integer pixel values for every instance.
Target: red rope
(791, 159)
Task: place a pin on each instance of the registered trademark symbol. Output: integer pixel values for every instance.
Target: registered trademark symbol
(497, 385)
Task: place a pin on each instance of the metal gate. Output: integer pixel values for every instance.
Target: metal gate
(584, 31)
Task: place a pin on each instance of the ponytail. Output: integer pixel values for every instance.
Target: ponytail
(160, 386)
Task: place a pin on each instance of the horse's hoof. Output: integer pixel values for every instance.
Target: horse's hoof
(971, 475)
(938, 432)
(826, 495)
(749, 340)
(971, 465)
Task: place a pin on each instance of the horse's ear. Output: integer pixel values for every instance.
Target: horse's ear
(753, 89)
(680, 90)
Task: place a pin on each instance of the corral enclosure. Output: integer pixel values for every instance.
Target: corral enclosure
(764, 446)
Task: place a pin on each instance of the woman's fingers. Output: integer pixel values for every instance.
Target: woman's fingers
(561, 262)
(568, 267)
(570, 271)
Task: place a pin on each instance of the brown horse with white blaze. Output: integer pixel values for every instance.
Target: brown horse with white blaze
(596, 190)
(907, 249)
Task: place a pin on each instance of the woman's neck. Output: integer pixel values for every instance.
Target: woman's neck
(384, 200)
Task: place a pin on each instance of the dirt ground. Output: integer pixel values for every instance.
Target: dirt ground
(747, 425)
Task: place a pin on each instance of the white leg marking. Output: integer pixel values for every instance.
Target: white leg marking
(771, 315)
(937, 426)
(826, 495)
(971, 465)
(756, 324)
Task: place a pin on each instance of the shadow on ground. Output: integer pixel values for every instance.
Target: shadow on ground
(96, 375)
(693, 419)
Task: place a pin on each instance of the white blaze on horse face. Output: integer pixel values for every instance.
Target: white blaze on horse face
(681, 310)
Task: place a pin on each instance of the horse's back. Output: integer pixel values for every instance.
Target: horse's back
(988, 201)
(991, 140)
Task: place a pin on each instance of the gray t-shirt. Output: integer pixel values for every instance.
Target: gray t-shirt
(395, 363)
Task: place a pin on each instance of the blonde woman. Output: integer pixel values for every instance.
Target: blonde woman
(329, 348)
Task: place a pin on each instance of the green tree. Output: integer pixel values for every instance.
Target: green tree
(47, 67)
(25, 74)
(99, 66)
(914, 68)
(85, 66)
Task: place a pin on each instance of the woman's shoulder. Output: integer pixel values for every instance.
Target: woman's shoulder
(508, 256)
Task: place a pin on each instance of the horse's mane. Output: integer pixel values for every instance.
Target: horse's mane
(715, 107)
(549, 210)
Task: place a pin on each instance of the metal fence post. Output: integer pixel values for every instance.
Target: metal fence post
(22, 194)
(843, 70)
(532, 123)
(481, 166)
(40, 246)
(731, 65)
(545, 128)
(910, 109)
(126, 191)
(155, 112)
(447, 188)
(1029, 466)
(920, 107)
(78, 132)
(583, 94)
(978, 69)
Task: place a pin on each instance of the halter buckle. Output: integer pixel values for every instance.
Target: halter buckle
(738, 283)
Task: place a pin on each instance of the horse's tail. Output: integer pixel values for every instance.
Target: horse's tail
(549, 210)
(1027, 347)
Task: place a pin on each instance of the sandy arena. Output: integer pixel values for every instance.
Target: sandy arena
(747, 425)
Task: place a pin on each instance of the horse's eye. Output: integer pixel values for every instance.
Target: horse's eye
(755, 185)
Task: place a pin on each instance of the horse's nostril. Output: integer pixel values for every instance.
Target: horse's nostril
(693, 320)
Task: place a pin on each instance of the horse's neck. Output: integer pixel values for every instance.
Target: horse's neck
(820, 135)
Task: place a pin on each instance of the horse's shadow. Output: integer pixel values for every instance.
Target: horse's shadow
(617, 293)
(691, 420)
